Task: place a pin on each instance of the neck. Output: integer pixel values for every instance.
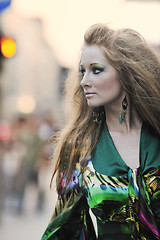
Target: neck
(132, 119)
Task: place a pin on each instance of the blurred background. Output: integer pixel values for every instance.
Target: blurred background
(39, 42)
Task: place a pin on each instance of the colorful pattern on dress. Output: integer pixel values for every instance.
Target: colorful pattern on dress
(132, 202)
(150, 218)
(133, 195)
(71, 219)
(126, 199)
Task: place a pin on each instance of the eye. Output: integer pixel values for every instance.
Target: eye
(97, 70)
(82, 71)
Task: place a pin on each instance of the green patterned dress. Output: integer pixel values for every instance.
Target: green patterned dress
(125, 201)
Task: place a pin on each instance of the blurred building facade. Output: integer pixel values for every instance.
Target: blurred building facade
(33, 72)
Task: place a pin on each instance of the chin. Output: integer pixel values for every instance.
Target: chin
(94, 105)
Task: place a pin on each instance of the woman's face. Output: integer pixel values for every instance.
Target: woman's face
(100, 80)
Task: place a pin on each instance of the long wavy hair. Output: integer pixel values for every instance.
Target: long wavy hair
(138, 68)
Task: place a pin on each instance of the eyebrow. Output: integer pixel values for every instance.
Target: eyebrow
(98, 64)
(93, 64)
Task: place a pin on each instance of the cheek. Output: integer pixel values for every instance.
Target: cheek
(108, 83)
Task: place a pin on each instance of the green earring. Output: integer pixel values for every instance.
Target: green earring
(123, 110)
(98, 115)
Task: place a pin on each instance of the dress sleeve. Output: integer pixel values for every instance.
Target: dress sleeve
(71, 219)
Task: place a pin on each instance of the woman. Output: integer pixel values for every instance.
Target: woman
(108, 155)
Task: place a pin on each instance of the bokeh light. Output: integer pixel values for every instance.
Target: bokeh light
(5, 132)
(26, 104)
(8, 47)
(4, 4)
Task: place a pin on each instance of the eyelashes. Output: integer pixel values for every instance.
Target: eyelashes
(94, 70)
(97, 70)
(82, 71)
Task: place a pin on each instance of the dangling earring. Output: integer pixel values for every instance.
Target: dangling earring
(123, 110)
(98, 114)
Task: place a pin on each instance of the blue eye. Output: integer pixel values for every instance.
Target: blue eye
(97, 70)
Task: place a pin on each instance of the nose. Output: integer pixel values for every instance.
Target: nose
(85, 82)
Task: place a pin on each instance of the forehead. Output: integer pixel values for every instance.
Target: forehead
(92, 54)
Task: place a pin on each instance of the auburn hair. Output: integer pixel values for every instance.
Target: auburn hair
(138, 68)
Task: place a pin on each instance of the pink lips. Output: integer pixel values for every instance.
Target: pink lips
(89, 94)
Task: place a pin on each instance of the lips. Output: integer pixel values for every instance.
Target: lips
(89, 94)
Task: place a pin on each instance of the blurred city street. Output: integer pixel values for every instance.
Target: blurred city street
(30, 224)
(39, 45)
(24, 227)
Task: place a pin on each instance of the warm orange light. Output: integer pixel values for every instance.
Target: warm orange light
(8, 47)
